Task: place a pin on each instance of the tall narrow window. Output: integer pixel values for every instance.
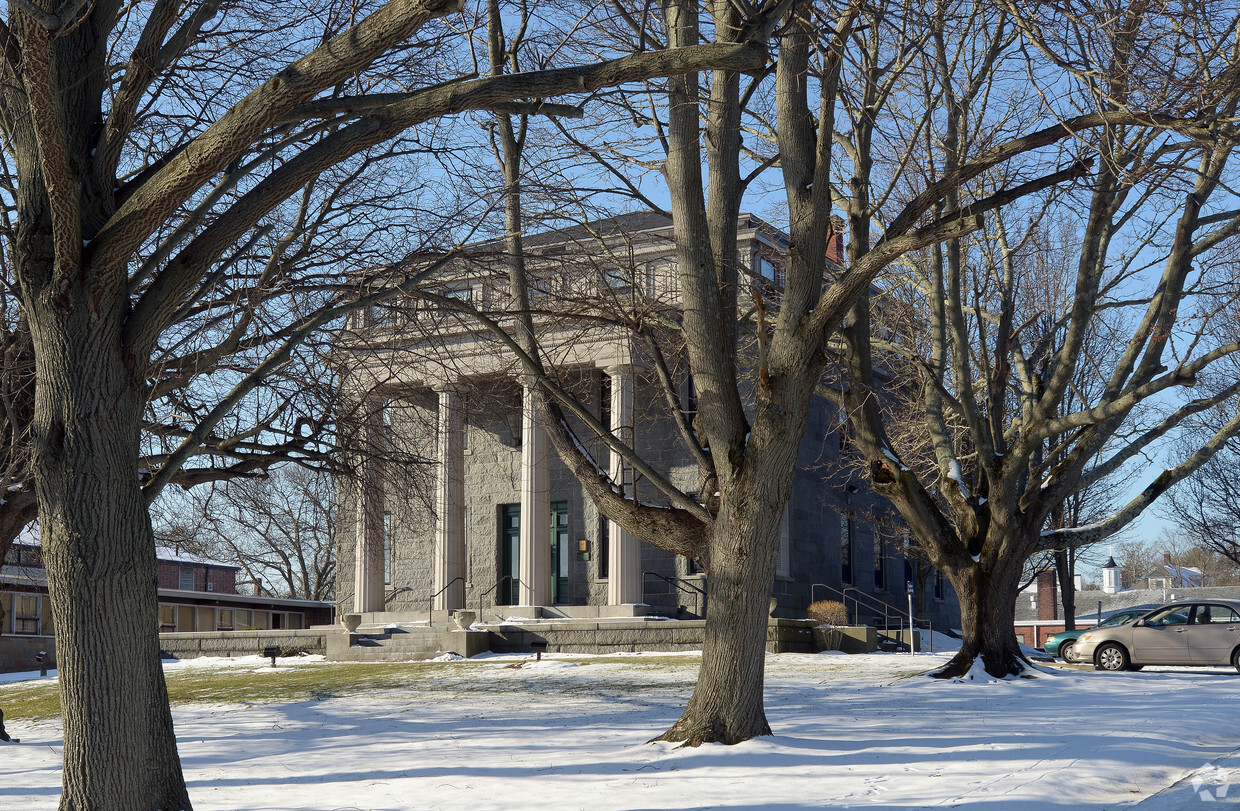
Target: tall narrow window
(509, 553)
(783, 563)
(880, 561)
(846, 548)
(938, 585)
(185, 578)
(559, 552)
(604, 400)
(389, 549)
(604, 547)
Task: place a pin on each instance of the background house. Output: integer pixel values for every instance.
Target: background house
(195, 594)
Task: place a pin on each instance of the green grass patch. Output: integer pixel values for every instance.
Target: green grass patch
(322, 680)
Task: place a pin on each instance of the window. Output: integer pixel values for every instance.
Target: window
(26, 614)
(509, 553)
(389, 549)
(604, 547)
(244, 618)
(224, 619)
(880, 561)
(6, 613)
(604, 400)
(185, 578)
(559, 552)
(783, 563)
(767, 270)
(938, 586)
(691, 399)
(167, 619)
(1214, 615)
(1175, 615)
(846, 549)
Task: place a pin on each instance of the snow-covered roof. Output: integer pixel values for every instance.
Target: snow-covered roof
(23, 576)
(168, 554)
(171, 555)
(1087, 601)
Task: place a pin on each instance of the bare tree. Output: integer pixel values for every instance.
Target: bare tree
(1010, 446)
(280, 529)
(1205, 507)
(836, 102)
(147, 147)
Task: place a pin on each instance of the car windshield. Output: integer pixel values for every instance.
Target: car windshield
(1118, 619)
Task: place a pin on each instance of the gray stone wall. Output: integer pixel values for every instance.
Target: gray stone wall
(611, 636)
(241, 643)
(492, 478)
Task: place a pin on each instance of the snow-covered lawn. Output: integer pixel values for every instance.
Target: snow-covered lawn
(569, 733)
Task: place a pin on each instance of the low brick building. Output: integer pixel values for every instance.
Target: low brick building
(195, 595)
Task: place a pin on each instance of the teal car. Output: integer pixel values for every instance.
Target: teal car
(1063, 644)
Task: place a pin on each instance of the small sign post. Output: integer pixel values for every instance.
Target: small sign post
(909, 588)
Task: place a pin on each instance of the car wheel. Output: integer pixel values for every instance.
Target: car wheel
(1067, 652)
(1235, 658)
(1111, 657)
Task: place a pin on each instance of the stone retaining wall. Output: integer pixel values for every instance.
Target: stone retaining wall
(623, 636)
(17, 653)
(241, 643)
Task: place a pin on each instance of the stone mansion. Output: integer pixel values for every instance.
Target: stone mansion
(490, 520)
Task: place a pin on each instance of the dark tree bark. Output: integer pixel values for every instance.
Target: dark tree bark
(98, 550)
(112, 244)
(998, 358)
(1065, 565)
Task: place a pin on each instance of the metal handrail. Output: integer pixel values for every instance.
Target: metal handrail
(430, 601)
(684, 585)
(875, 604)
(498, 583)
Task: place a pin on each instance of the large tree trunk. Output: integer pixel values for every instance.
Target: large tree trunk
(1064, 566)
(727, 704)
(987, 616)
(120, 750)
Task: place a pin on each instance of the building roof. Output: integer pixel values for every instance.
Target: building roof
(23, 576)
(216, 596)
(174, 555)
(1087, 601)
(165, 553)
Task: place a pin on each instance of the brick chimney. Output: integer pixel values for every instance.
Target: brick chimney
(835, 244)
(1048, 606)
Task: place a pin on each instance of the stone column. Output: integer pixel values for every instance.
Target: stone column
(368, 588)
(535, 556)
(450, 504)
(624, 584)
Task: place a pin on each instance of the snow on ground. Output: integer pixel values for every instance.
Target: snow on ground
(570, 732)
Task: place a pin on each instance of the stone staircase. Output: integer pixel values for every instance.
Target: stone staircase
(405, 643)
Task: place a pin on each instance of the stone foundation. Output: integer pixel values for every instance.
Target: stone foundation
(241, 643)
(630, 636)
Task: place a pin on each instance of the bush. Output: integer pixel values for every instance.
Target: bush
(828, 612)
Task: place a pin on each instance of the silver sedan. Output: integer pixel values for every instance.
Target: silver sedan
(1196, 632)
